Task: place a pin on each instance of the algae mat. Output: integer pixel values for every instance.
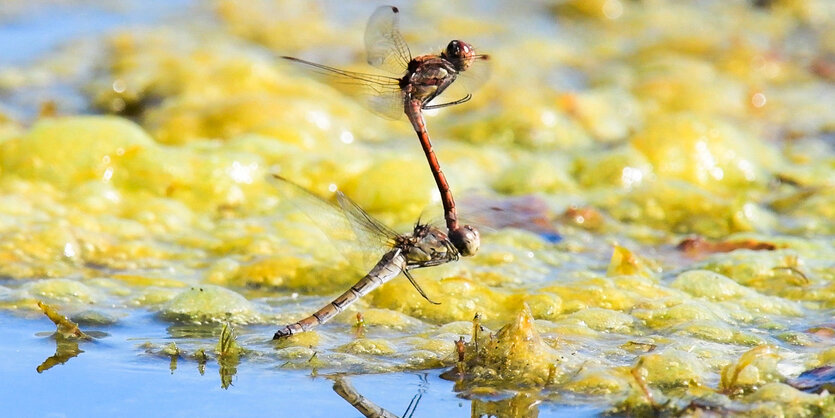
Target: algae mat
(654, 181)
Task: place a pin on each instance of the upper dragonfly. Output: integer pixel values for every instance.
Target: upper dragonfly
(421, 80)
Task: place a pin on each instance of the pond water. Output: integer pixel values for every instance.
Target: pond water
(653, 182)
(110, 375)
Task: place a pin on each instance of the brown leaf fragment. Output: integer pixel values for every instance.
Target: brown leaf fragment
(824, 67)
(65, 327)
(583, 217)
(822, 331)
(696, 247)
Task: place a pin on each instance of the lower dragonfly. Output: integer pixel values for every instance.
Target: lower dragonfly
(425, 246)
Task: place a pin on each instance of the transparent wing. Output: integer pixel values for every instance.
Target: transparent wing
(477, 74)
(466, 83)
(362, 222)
(378, 93)
(384, 44)
(360, 245)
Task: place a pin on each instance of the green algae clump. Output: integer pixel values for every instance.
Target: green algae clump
(516, 356)
(209, 303)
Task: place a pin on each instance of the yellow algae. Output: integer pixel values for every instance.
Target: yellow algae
(630, 112)
(305, 339)
(545, 174)
(438, 346)
(818, 206)
(533, 126)
(646, 287)
(383, 318)
(671, 368)
(705, 152)
(622, 166)
(110, 286)
(71, 150)
(569, 327)
(608, 114)
(767, 272)
(147, 281)
(295, 353)
(210, 303)
(262, 114)
(802, 107)
(680, 313)
(754, 368)
(826, 357)
(681, 207)
(542, 305)
(97, 197)
(789, 401)
(523, 404)
(709, 285)
(153, 296)
(515, 355)
(607, 320)
(625, 262)
(708, 330)
(63, 290)
(602, 293)
(370, 346)
(280, 26)
(460, 299)
(674, 83)
(396, 184)
(283, 271)
(772, 305)
(598, 381)
(44, 249)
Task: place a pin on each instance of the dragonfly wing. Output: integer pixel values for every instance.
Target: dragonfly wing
(380, 94)
(466, 82)
(384, 44)
(477, 74)
(364, 224)
(359, 246)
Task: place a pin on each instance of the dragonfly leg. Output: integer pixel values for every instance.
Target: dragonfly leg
(459, 101)
(417, 286)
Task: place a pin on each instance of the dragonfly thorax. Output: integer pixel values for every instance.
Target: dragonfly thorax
(427, 246)
(427, 77)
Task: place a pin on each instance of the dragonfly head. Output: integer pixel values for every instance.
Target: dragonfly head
(460, 54)
(466, 240)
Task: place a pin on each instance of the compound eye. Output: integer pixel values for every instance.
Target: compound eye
(454, 49)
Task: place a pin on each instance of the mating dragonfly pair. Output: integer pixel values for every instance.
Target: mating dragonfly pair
(420, 80)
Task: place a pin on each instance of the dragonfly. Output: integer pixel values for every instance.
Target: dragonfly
(418, 81)
(343, 387)
(424, 246)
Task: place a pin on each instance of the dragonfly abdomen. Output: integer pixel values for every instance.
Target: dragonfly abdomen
(386, 269)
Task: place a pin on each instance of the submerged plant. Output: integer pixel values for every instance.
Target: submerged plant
(760, 362)
(65, 327)
(228, 356)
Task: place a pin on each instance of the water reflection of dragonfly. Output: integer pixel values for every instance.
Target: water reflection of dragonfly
(419, 81)
(368, 408)
(425, 246)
